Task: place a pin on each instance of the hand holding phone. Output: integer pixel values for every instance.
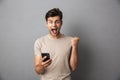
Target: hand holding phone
(47, 56)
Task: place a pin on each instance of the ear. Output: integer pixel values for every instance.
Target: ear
(46, 23)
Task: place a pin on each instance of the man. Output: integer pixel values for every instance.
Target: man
(63, 50)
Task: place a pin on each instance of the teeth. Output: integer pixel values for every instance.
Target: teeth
(54, 29)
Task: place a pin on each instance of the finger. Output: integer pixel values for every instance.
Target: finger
(76, 38)
(44, 58)
(48, 62)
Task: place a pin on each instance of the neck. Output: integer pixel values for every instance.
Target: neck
(57, 36)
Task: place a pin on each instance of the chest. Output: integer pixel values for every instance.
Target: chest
(57, 48)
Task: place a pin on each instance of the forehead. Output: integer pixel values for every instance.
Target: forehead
(54, 18)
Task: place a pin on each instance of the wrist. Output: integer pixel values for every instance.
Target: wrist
(39, 69)
(42, 70)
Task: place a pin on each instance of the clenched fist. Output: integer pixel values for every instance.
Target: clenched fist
(75, 41)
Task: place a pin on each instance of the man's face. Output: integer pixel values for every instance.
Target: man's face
(54, 25)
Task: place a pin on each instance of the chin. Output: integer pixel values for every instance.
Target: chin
(54, 34)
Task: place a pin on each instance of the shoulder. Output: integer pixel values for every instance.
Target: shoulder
(40, 39)
(68, 37)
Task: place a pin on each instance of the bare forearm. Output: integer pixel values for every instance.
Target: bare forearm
(74, 58)
(74, 53)
(40, 65)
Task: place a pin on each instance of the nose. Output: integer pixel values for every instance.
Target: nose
(54, 24)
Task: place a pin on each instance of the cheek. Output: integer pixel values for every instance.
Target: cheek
(49, 26)
(59, 26)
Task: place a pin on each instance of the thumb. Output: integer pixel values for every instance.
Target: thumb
(44, 58)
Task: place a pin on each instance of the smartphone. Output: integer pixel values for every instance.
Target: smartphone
(47, 56)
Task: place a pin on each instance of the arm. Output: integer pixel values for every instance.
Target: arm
(40, 65)
(37, 63)
(74, 53)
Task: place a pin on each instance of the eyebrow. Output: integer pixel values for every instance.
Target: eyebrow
(56, 20)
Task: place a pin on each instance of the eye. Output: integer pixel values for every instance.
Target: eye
(50, 22)
(58, 22)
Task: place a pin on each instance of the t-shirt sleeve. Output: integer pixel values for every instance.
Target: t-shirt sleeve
(37, 48)
(70, 40)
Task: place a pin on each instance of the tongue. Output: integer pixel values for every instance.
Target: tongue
(54, 31)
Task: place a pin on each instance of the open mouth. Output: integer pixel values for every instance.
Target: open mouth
(54, 30)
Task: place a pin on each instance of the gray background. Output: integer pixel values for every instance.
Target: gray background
(97, 22)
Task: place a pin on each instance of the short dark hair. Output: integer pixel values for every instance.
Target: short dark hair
(54, 12)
